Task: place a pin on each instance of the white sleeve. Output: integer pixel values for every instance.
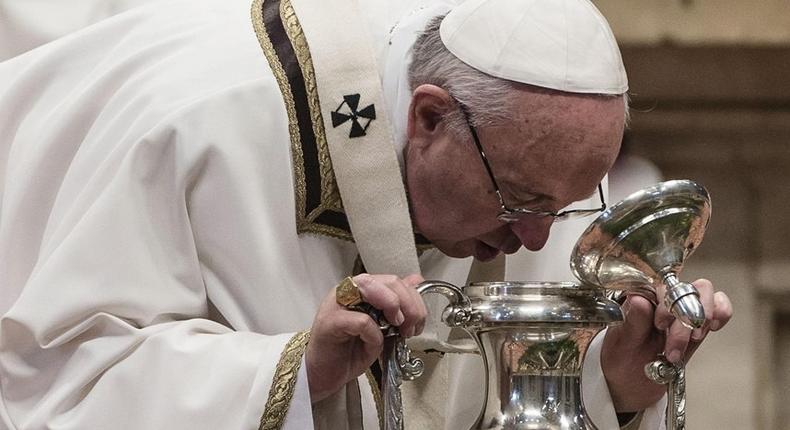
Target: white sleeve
(111, 329)
(598, 401)
(105, 319)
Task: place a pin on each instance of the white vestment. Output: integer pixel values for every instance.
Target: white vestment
(26, 24)
(152, 273)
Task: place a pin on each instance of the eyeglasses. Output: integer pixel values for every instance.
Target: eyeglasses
(512, 215)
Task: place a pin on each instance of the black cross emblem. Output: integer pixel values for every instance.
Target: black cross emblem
(368, 113)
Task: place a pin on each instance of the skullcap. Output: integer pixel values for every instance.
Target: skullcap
(565, 45)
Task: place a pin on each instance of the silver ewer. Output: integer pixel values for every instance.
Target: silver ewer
(533, 336)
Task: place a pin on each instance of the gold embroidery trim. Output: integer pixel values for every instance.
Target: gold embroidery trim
(330, 195)
(282, 390)
(290, 106)
(374, 388)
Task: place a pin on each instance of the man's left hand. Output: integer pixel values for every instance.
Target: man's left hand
(647, 332)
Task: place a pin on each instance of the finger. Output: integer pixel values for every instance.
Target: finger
(677, 341)
(380, 296)
(419, 326)
(663, 318)
(705, 289)
(638, 312)
(420, 311)
(359, 325)
(722, 311)
(661, 291)
(410, 305)
(413, 280)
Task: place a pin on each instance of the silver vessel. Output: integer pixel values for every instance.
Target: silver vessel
(533, 335)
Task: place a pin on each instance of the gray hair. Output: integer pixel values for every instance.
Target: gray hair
(432, 63)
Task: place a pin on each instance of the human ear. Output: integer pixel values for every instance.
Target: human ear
(429, 104)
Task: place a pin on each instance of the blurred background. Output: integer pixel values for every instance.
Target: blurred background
(710, 86)
(710, 92)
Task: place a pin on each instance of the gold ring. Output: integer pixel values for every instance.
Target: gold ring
(347, 293)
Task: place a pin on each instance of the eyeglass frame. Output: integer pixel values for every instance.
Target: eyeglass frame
(512, 215)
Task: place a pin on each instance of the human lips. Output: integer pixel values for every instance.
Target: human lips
(485, 252)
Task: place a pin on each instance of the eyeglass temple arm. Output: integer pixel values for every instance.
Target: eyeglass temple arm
(483, 156)
(600, 194)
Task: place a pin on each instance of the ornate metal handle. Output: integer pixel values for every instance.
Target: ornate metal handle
(399, 363)
(456, 314)
(664, 372)
(396, 355)
(460, 307)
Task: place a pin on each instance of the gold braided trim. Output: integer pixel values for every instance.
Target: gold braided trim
(330, 195)
(282, 390)
(374, 388)
(290, 106)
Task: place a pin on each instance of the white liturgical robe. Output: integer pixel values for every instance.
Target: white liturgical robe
(27, 24)
(167, 231)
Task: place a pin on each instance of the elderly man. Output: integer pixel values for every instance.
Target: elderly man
(183, 186)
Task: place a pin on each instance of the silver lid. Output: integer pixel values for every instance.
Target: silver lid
(539, 302)
(644, 237)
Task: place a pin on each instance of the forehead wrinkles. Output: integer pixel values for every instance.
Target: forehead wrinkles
(560, 145)
(560, 138)
(573, 122)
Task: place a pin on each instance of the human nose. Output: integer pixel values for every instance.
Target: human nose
(533, 232)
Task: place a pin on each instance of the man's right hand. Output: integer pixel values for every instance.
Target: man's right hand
(344, 343)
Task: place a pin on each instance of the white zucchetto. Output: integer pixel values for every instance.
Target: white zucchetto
(565, 45)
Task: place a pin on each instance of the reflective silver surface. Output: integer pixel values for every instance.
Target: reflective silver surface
(533, 337)
(663, 372)
(643, 241)
(392, 379)
(401, 366)
(499, 303)
(641, 244)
